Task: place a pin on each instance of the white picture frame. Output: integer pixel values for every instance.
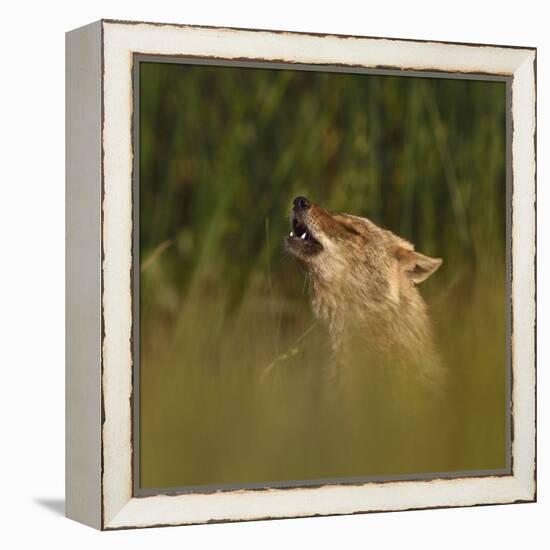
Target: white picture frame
(99, 362)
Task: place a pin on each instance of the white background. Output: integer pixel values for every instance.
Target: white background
(32, 272)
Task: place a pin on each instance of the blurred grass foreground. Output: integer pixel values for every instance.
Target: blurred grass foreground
(231, 389)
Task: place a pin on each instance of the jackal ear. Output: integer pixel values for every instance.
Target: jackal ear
(415, 266)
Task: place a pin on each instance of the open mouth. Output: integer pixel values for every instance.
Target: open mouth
(300, 231)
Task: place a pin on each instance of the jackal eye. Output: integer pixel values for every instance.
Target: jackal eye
(350, 229)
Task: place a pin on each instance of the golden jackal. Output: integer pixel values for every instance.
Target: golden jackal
(363, 285)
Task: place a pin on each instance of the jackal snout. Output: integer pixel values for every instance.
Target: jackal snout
(315, 229)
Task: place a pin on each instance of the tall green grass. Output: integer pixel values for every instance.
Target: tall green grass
(231, 388)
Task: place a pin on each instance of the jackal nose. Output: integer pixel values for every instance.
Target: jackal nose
(301, 203)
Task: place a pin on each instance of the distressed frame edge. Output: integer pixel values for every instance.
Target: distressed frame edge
(114, 21)
(127, 517)
(525, 488)
(524, 271)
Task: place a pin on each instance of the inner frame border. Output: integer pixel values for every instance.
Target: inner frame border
(137, 59)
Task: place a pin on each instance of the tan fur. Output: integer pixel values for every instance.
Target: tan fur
(363, 285)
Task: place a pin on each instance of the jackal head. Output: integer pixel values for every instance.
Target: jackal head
(354, 258)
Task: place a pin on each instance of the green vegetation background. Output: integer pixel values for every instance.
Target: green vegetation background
(231, 359)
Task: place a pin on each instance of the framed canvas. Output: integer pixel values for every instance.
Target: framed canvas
(300, 274)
